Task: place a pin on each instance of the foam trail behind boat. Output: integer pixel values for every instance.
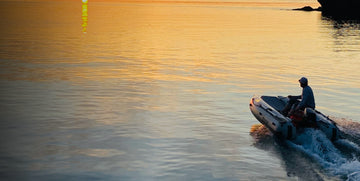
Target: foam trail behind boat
(340, 159)
(350, 129)
(315, 144)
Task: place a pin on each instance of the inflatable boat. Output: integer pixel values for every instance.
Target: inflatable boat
(267, 110)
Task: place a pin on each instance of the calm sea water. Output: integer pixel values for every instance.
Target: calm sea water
(160, 91)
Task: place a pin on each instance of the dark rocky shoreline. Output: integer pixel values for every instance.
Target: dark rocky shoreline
(308, 8)
(337, 9)
(341, 9)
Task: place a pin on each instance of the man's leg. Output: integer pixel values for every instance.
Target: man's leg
(288, 106)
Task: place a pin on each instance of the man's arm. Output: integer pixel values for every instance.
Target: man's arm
(294, 97)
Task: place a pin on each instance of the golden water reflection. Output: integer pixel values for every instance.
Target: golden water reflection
(149, 70)
(177, 42)
(84, 15)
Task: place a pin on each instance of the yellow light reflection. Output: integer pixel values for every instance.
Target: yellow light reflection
(84, 15)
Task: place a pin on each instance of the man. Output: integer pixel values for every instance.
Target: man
(307, 99)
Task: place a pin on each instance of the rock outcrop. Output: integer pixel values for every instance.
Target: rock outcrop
(341, 9)
(308, 8)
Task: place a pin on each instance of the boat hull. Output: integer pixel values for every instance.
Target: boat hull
(269, 115)
(274, 121)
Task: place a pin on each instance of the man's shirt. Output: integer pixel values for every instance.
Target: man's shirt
(307, 98)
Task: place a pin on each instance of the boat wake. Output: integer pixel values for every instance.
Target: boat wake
(313, 155)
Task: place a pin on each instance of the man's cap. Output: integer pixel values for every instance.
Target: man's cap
(303, 80)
